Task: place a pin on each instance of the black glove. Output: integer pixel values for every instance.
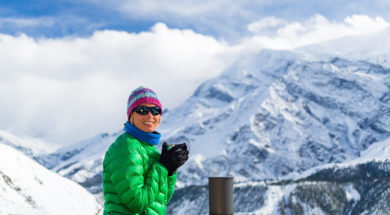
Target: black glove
(180, 154)
(173, 158)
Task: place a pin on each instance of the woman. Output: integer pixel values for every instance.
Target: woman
(137, 179)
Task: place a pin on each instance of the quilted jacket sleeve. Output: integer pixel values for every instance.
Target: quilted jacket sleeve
(127, 175)
(171, 186)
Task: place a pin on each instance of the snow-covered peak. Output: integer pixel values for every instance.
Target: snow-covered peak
(29, 188)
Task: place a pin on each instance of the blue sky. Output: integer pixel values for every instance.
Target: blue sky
(225, 19)
(67, 67)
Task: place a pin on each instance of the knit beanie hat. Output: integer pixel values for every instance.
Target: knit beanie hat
(139, 96)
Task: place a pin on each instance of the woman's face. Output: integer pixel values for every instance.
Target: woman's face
(148, 122)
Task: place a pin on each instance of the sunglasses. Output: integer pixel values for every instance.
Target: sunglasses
(144, 110)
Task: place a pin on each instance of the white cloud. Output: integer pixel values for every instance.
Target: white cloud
(314, 30)
(172, 8)
(27, 22)
(265, 23)
(74, 88)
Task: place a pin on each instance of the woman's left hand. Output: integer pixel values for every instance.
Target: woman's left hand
(174, 157)
(180, 154)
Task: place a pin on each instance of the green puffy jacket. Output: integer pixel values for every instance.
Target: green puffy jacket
(134, 182)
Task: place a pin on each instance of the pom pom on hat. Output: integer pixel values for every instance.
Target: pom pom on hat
(139, 96)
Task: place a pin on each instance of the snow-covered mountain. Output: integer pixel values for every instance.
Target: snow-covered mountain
(29, 188)
(263, 123)
(299, 132)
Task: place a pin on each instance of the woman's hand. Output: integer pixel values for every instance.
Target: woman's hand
(179, 154)
(174, 157)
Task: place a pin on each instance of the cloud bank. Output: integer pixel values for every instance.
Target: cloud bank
(74, 88)
(71, 88)
(274, 33)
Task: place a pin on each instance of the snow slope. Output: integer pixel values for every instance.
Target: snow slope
(29, 188)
